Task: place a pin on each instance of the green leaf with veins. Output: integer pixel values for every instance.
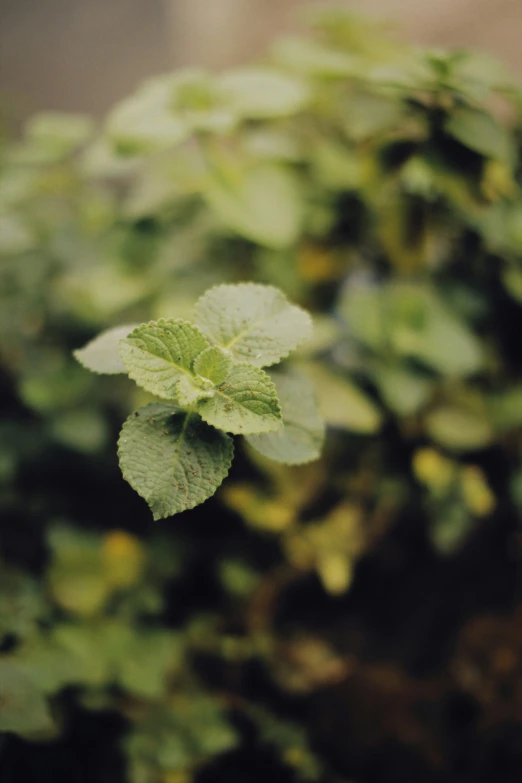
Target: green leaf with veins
(173, 459)
(212, 364)
(244, 403)
(102, 355)
(254, 322)
(301, 438)
(189, 391)
(158, 354)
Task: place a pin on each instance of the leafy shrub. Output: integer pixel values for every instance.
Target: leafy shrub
(369, 182)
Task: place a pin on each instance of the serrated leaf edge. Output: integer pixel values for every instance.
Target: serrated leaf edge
(175, 409)
(219, 393)
(161, 321)
(84, 347)
(300, 340)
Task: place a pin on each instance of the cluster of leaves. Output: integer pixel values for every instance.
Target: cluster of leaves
(94, 624)
(367, 181)
(177, 455)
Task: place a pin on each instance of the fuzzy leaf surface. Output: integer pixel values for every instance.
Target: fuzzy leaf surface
(172, 459)
(254, 322)
(158, 354)
(244, 403)
(212, 364)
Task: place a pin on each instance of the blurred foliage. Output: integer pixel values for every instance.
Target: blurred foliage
(379, 186)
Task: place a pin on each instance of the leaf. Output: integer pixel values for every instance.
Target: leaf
(301, 438)
(59, 133)
(259, 93)
(341, 403)
(362, 306)
(367, 114)
(188, 391)
(144, 122)
(84, 430)
(23, 709)
(158, 354)
(82, 647)
(254, 322)
(102, 355)
(144, 661)
(403, 390)
(79, 587)
(246, 402)
(458, 428)
(172, 459)
(422, 327)
(309, 57)
(480, 131)
(212, 364)
(263, 204)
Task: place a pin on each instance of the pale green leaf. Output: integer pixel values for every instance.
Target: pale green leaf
(411, 320)
(366, 114)
(458, 428)
(259, 93)
(212, 364)
(58, 132)
(197, 99)
(144, 122)
(337, 166)
(301, 438)
(244, 403)
(189, 391)
(309, 57)
(23, 709)
(263, 204)
(172, 459)
(255, 323)
(341, 403)
(102, 355)
(403, 390)
(158, 354)
(422, 327)
(362, 306)
(481, 132)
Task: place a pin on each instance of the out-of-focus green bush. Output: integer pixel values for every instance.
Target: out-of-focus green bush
(379, 186)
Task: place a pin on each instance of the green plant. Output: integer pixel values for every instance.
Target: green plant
(378, 186)
(177, 455)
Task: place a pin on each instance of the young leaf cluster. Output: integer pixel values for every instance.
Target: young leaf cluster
(208, 374)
